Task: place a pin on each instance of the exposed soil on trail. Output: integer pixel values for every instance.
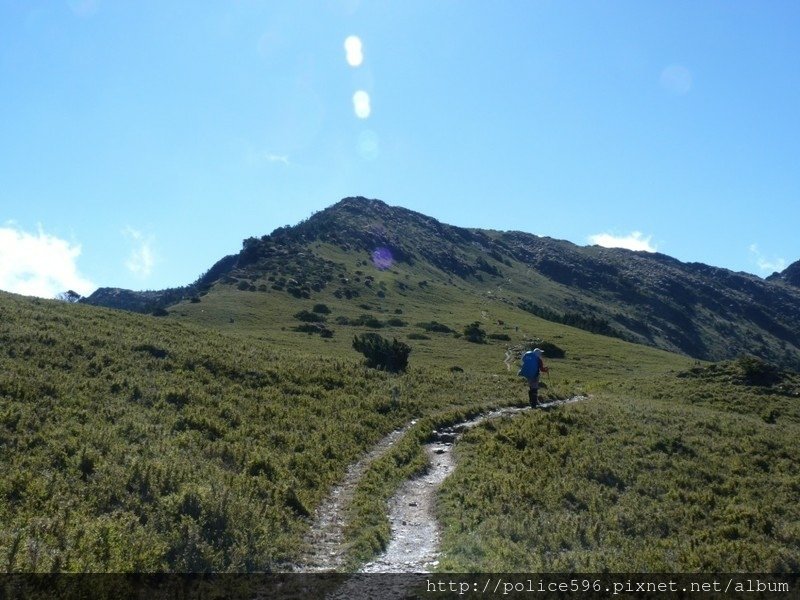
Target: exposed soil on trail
(414, 545)
(415, 538)
(326, 537)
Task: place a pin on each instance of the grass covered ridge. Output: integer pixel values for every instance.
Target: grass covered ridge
(699, 481)
(133, 444)
(202, 441)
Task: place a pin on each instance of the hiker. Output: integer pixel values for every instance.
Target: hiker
(532, 365)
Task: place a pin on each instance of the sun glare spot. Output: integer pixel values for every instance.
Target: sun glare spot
(353, 51)
(361, 104)
(382, 258)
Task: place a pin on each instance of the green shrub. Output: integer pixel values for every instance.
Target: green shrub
(367, 321)
(435, 326)
(395, 322)
(500, 336)
(550, 349)
(474, 333)
(754, 371)
(315, 328)
(321, 309)
(582, 321)
(381, 353)
(418, 336)
(308, 316)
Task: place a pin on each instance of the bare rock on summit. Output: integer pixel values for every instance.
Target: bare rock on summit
(790, 275)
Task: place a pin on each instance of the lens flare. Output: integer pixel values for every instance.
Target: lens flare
(382, 258)
(354, 53)
(361, 104)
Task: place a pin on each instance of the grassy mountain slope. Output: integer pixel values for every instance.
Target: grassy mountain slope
(691, 473)
(203, 439)
(698, 310)
(131, 443)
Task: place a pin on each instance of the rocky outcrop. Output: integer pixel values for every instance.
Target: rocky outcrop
(692, 308)
(790, 275)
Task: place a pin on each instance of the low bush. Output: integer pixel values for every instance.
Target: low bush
(308, 316)
(474, 333)
(754, 371)
(315, 328)
(435, 326)
(367, 321)
(381, 353)
(550, 349)
(500, 336)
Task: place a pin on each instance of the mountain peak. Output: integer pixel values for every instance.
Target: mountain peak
(359, 202)
(790, 275)
(700, 310)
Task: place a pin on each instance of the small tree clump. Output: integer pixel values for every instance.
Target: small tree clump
(474, 333)
(308, 316)
(754, 371)
(318, 328)
(435, 326)
(550, 349)
(69, 296)
(500, 336)
(381, 353)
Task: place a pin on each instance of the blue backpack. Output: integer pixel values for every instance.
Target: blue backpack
(530, 365)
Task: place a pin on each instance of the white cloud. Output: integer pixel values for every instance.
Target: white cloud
(258, 157)
(142, 257)
(277, 158)
(361, 104)
(632, 241)
(39, 264)
(764, 264)
(354, 53)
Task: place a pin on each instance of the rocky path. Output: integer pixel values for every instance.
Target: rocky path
(415, 540)
(326, 537)
(414, 546)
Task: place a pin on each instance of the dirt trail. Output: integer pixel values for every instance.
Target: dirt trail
(326, 537)
(415, 538)
(414, 545)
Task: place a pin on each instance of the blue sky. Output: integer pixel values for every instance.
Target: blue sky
(142, 141)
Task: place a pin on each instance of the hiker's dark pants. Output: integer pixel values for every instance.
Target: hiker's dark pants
(533, 391)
